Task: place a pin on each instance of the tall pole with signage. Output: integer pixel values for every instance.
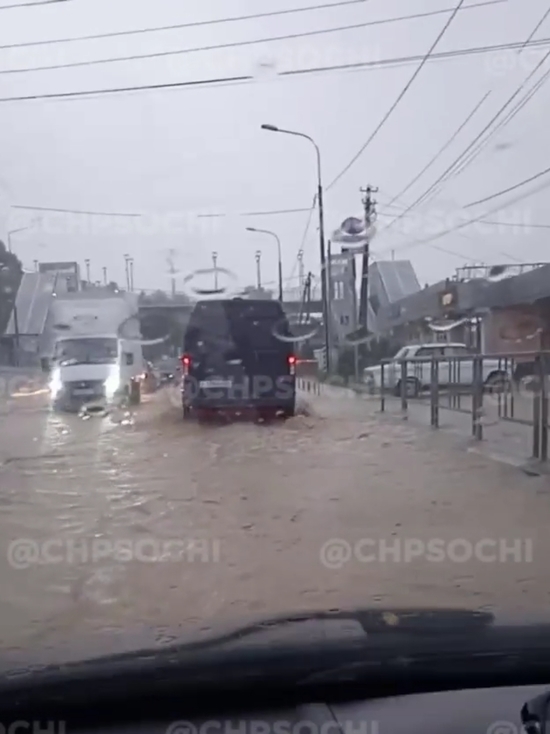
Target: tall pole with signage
(259, 269)
(370, 216)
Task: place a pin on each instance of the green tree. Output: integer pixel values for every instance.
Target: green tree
(11, 272)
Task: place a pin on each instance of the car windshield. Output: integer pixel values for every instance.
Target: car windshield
(274, 315)
(86, 351)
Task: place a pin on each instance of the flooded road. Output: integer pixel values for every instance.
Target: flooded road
(139, 519)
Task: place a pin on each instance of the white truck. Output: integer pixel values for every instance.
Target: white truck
(96, 356)
(455, 368)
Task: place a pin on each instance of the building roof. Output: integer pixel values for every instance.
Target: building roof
(32, 304)
(398, 278)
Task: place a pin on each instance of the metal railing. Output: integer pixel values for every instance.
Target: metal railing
(514, 386)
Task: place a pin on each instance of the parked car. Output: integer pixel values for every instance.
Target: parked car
(455, 368)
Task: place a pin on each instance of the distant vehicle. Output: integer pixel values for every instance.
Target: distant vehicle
(238, 355)
(456, 367)
(91, 363)
(150, 379)
(168, 370)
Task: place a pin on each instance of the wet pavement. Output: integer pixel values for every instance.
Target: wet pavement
(141, 519)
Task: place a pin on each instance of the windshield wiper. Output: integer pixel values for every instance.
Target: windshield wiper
(399, 651)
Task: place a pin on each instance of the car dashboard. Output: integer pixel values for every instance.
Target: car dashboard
(476, 711)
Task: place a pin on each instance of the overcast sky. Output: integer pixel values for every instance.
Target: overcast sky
(174, 154)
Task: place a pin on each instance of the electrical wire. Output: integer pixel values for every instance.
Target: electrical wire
(458, 165)
(430, 163)
(73, 211)
(179, 26)
(32, 4)
(535, 29)
(359, 66)
(481, 217)
(515, 111)
(399, 97)
(521, 225)
(467, 156)
(509, 189)
(504, 253)
(305, 234)
(234, 44)
(433, 188)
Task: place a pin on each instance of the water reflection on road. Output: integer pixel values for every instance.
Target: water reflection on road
(139, 518)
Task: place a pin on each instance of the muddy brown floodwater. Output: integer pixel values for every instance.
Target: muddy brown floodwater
(141, 519)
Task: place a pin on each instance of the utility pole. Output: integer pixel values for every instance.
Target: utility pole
(172, 270)
(126, 267)
(131, 264)
(215, 264)
(104, 276)
(301, 268)
(369, 205)
(87, 263)
(259, 269)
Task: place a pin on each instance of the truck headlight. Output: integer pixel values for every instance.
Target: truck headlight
(112, 383)
(55, 384)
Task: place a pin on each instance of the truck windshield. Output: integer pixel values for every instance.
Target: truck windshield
(86, 351)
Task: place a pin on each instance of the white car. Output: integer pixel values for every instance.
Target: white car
(455, 367)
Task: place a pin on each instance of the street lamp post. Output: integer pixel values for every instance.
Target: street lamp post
(215, 264)
(279, 254)
(14, 231)
(324, 289)
(259, 269)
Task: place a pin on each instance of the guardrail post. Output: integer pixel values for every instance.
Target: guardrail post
(543, 410)
(477, 398)
(382, 388)
(540, 412)
(434, 393)
(404, 402)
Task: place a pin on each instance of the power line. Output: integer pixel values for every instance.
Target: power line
(474, 220)
(31, 4)
(516, 224)
(407, 60)
(535, 29)
(196, 83)
(234, 44)
(509, 189)
(460, 158)
(460, 234)
(305, 234)
(179, 26)
(431, 162)
(256, 213)
(471, 157)
(359, 66)
(460, 163)
(399, 96)
(510, 116)
(73, 211)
